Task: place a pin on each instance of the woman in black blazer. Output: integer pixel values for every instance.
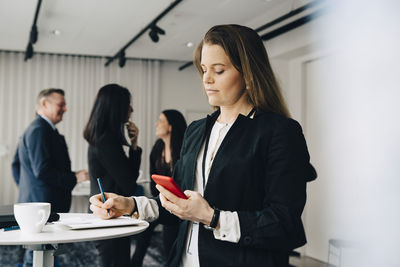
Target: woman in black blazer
(117, 169)
(244, 168)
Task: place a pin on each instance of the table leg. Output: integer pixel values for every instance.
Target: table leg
(43, 258)
(43, 255)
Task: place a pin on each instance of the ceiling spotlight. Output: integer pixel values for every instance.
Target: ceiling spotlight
(189, 44)
(34, 35)
(29, 51)
(154, 36)
(122, 59)
(154, 32)
(56, 32)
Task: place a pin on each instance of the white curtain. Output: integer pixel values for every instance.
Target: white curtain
(81, 78)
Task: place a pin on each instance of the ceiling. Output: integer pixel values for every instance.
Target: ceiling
(103, 27)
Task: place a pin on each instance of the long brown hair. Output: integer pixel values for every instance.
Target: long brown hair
(247, 53)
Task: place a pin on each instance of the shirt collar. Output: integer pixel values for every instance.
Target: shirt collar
(48, 121)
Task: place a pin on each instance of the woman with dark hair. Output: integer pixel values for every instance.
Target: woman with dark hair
(108, 161)
(244, 168)
(170, 129)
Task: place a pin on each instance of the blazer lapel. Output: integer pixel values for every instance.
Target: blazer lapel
(238, 127)
(204, 129)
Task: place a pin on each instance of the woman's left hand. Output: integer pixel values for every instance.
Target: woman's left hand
(195, 208)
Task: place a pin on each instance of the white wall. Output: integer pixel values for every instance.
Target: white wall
(342, 85)
(182, 90)
(362, 72)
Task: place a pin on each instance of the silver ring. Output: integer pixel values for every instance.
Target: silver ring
(170, 212)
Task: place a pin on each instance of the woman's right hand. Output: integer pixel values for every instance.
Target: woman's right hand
(133, 133)
(116, 204)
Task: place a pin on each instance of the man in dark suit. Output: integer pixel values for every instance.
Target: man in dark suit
(41, 166)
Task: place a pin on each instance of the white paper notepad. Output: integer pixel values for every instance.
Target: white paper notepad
(77, 223)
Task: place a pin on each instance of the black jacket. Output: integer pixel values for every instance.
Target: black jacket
(108, 161)
(42, 168)
(157, 165)
(260, 170)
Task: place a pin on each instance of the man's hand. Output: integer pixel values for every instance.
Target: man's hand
(81, 176)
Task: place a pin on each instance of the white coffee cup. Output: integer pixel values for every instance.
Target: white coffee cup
(31, 217)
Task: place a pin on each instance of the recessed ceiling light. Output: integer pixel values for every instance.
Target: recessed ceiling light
(189, 44)
(56, 32)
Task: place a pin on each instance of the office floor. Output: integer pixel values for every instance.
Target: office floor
(306, 262)
(85, 254)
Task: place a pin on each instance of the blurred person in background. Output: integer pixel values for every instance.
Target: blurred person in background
(170, 129)
(41, 165)
(117, 170)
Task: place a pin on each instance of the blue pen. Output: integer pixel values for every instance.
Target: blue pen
(11, 228)
(102, 194)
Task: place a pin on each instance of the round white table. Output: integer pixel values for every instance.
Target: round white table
(45, 243)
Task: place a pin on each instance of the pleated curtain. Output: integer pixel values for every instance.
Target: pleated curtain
(80, 77)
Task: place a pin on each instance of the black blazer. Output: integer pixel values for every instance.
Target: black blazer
(260, 170)
(42, 168)
(108, 161)
(157, 165)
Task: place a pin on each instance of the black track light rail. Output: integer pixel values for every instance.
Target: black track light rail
(33, 33)
(285, 28)
(162, 14)
(292, 25)
(288, 15)
(184, 66)
(37, 12)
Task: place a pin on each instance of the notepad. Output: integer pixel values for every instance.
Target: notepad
(78, 223)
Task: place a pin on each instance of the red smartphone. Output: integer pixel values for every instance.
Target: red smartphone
(169, 184)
